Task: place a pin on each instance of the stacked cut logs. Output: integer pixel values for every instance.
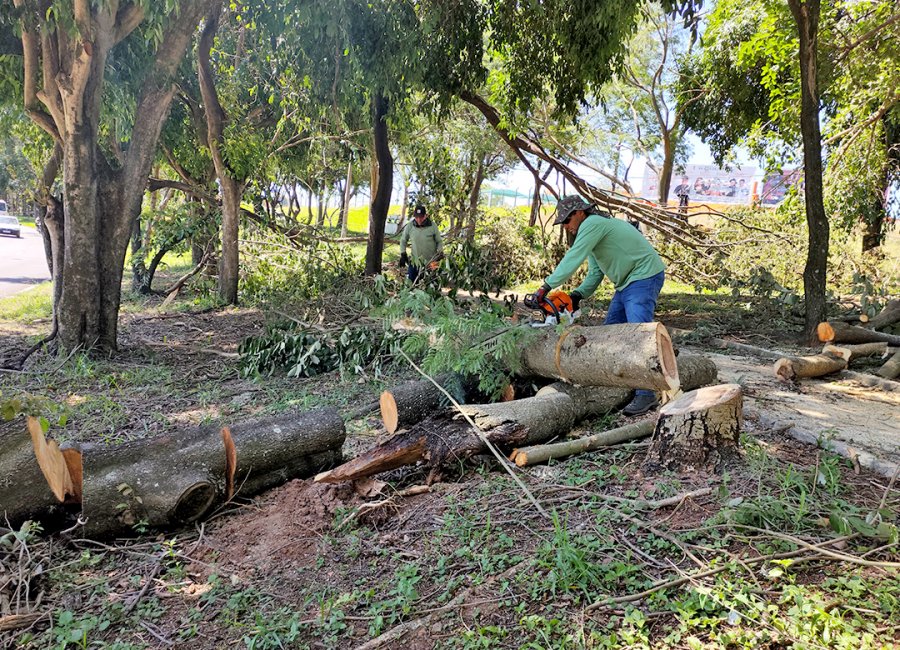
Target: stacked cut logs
(596, 369)
(165, 480)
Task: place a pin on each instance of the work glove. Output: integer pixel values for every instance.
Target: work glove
(576, 299)
(404, 260)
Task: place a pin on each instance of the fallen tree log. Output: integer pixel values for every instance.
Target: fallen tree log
(415, 400)
(178, 478)
(891, 368)
(694, 371)
(791, 368)
(852, 318)
(542, 453)
(25, 491)
(852, 352)
(630, 355)
(888, 316)
(698, 431)
(837, 332)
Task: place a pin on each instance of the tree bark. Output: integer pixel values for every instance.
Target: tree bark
(542, 453)
(631, 355)
(665, 174)
(851, 352)
(790, 368)
(806, 17)
(888, 316)
(416, 400)
(381, 194)
(891, 368)
(698, 431)
(345, 205)
(837, 332)
(231, 187)
(474, 197)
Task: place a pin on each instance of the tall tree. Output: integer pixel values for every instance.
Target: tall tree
(67, 50)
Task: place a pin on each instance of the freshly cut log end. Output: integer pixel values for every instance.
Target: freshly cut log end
(416, 400)
(698, 431)
(72, 455)
(630, 355)
(825, 332)
(389, 411)
(791, 368)
(51, 461)
(24, 491)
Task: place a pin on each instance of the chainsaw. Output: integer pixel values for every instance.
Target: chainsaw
(552, 309)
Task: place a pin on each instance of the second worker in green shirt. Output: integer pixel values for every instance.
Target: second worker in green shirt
(424, 239)
(617, 250)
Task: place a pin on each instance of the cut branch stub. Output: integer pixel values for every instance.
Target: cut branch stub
(24, 490)
(630, 355)
(699, 430)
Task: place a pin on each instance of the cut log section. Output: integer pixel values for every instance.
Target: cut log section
(699, 430)
(542, 453)
(630, 355)
(414, 401)
(888, 316)
(791, 368)
(837, 332)
(177, 478)
(24, 491)
(891, 369)
(851, 352)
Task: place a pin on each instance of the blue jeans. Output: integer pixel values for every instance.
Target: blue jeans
(412, 272)
(636, 304)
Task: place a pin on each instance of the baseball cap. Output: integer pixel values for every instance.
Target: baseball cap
(419, 211)
(567, 205)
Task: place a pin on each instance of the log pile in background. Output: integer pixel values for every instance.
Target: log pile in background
(165, 480)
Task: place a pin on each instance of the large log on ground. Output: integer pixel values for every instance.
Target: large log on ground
(888, 316)
(414, 401)
(891, 368)
(699, 430)
(25, 491)
(837, 332)
(630, 355)
(790, 368)
(851, 352)
(448, 437)
(177, 478)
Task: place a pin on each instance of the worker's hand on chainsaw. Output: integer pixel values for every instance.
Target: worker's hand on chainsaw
(541, 293)
(404, 260)
(576, 297)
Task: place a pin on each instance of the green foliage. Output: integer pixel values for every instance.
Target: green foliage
(307, 353)
(504, 253)
(473, 338)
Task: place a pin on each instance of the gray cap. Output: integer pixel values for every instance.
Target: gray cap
(567, 205)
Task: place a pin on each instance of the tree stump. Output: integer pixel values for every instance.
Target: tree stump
(698, 431)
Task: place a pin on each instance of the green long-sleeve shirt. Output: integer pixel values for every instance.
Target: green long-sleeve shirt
(425, 241)
(613, 248)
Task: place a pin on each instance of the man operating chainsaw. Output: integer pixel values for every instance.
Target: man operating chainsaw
(617, 250)
(424, 239)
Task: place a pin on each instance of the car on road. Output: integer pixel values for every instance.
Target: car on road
(10, 226)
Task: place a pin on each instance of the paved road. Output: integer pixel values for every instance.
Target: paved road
(22, 262)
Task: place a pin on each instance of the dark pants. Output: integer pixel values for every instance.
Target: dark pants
(412, 272)
(636, 304)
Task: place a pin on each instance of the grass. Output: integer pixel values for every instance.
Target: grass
(29, 305)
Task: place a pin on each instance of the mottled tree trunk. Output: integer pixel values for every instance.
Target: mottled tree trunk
(665, 174)
(474, 196)
(345, 204)
(806, 16)
(381, 189)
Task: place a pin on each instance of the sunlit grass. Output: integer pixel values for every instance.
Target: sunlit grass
(28, 305)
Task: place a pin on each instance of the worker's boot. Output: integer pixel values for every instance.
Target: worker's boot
(641, 403)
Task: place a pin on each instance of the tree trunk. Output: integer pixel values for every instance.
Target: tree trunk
(231, 187)
(665, 174)
(837, 332)
(888, 316)
(474, 196)
(699, 431)
(790, 368)
(631, 355)
(177, 478)
(891, 369)
(381, 190)
(851, 352)
(139, 283)
(55, 225)
(416, 400)
(806, 17)
(345, 204)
